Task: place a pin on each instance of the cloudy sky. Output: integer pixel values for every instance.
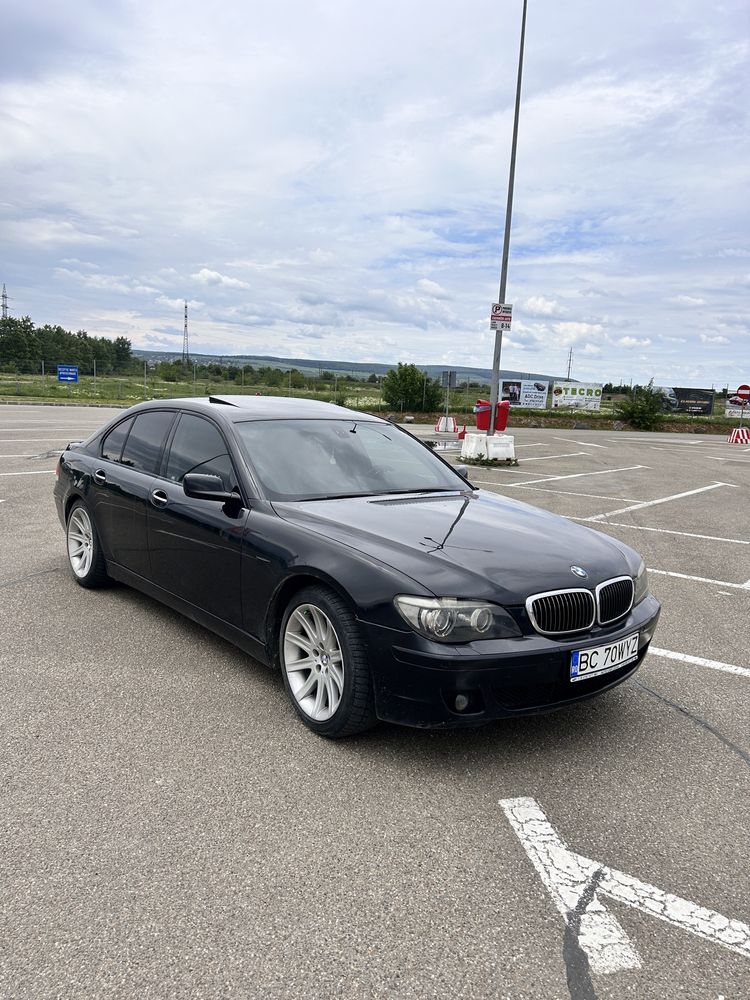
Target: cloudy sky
(327, 179)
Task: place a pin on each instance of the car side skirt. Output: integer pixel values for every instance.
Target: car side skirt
(247, 643)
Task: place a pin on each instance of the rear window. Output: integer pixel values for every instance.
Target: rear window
(145, 442)
(113, 442)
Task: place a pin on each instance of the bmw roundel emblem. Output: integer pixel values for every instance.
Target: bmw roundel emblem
(579, 571)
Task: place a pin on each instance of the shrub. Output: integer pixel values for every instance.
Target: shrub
(641, 408)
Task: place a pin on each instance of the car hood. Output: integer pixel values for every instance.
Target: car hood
(473, 544)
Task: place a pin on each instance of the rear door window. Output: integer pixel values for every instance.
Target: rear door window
(113, 442)
(197, 446)
(145, 442)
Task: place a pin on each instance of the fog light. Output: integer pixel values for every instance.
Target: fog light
(461, 702)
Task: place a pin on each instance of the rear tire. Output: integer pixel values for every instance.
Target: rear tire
(324, 664)
(84, 551)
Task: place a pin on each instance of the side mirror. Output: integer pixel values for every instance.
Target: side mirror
(462, 470)
(201, 487)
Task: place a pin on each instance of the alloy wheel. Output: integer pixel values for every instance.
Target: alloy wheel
(314, 662)
(80, 542)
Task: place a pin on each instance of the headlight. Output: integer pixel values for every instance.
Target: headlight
(447, 619)
(641, 584)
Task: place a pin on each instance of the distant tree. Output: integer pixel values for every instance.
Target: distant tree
(408, 386)
(123, 354)
(373, 378)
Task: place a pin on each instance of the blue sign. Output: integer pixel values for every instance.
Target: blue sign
(67, 373)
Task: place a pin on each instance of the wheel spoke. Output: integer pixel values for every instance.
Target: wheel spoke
(304, 690)
(318, 700)
(322, 625)
(337, 678)
(333, 694)
(309, 628)
(301, 641)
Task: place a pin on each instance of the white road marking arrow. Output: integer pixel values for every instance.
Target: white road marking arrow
(568, 876)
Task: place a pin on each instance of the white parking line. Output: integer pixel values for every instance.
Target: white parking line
(700, 661)
(63, 437)
(660, 531)
(34, 455)
(538, 444)
(36, 472)
(650, 440)
(563, 493)
(586, 444)
(576, 884)
(700, 579)
(579, 475)
(545, 458)
(654, 503)
(728, 458)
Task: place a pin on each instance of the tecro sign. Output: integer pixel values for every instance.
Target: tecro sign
(67, 373)
(577, 395)
(501, 316)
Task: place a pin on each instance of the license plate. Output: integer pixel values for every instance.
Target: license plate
(601, 659)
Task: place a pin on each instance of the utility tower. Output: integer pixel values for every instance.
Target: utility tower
(570, 361)
(185, 347)
(5, 303)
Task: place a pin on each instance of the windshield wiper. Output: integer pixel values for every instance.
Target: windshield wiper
(423, 489)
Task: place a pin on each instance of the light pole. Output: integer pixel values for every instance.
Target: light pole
(495, 385)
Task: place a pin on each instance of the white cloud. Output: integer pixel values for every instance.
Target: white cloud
(538, 305)
(686, 300)
(707, 339)
(207, 277)
(631, 342)
(432, 288)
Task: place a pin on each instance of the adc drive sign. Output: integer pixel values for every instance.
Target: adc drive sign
(500, 316)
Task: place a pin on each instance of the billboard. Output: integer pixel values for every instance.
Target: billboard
(521, 392)
(577, 395)
(700, 401)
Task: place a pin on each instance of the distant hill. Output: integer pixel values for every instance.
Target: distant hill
(354, 369)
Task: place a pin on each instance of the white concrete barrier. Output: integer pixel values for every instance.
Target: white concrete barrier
(499, 446)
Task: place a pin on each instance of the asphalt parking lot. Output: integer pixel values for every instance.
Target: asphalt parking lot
(169, 829)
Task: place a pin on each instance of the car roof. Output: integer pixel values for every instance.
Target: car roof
(237, 408)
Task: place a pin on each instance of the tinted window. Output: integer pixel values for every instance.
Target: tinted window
(113, 442)
(197, 446)
(146, 440)
(308, 459)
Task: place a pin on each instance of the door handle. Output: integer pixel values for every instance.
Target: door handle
(159, 498)
(100, 477)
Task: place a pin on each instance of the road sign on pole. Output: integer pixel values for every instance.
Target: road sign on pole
(744, 394)
(67, 373)
(501, 316)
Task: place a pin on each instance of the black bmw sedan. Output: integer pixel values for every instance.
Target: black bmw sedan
(337, 547)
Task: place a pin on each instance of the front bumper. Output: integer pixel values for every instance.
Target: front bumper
(417, 681)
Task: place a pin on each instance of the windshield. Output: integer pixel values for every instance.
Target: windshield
(317, 459)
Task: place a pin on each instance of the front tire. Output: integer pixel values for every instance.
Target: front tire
(84, 551)
(324, 664)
